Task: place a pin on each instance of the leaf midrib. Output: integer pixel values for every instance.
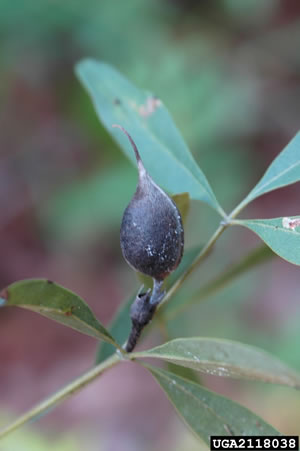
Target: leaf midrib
(215, 364)
(198, 401)
(63, 314)
(269, 226)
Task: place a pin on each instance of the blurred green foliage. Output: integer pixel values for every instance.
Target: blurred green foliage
(31, 440)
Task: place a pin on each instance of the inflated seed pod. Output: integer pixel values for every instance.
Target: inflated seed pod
(151, 234)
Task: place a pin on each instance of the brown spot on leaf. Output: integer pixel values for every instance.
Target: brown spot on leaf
(151, 105)
(258, 424)
(70, 311)
(289, 223)
(229, 430)
(50, 281)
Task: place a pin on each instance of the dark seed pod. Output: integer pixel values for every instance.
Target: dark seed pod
(152, 243)
(151, 232)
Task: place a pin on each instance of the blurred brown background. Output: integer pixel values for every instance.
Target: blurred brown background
(229, 72)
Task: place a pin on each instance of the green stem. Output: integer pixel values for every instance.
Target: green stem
(62, 394)
(204, 252)
(236, 211)
(257, 257)
(202, 255)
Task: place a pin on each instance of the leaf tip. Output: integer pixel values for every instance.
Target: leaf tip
(82, 64)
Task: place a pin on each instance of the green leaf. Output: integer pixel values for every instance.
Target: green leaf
(227, 358)
(183, 371)
(164, 153)
(283, 171)
(207, 413)
(121, 324)
(283, 239)
(57, 303)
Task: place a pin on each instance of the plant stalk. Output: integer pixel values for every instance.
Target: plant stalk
(257, 257)
(198, 260)
(92, 374)
(62, 394)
